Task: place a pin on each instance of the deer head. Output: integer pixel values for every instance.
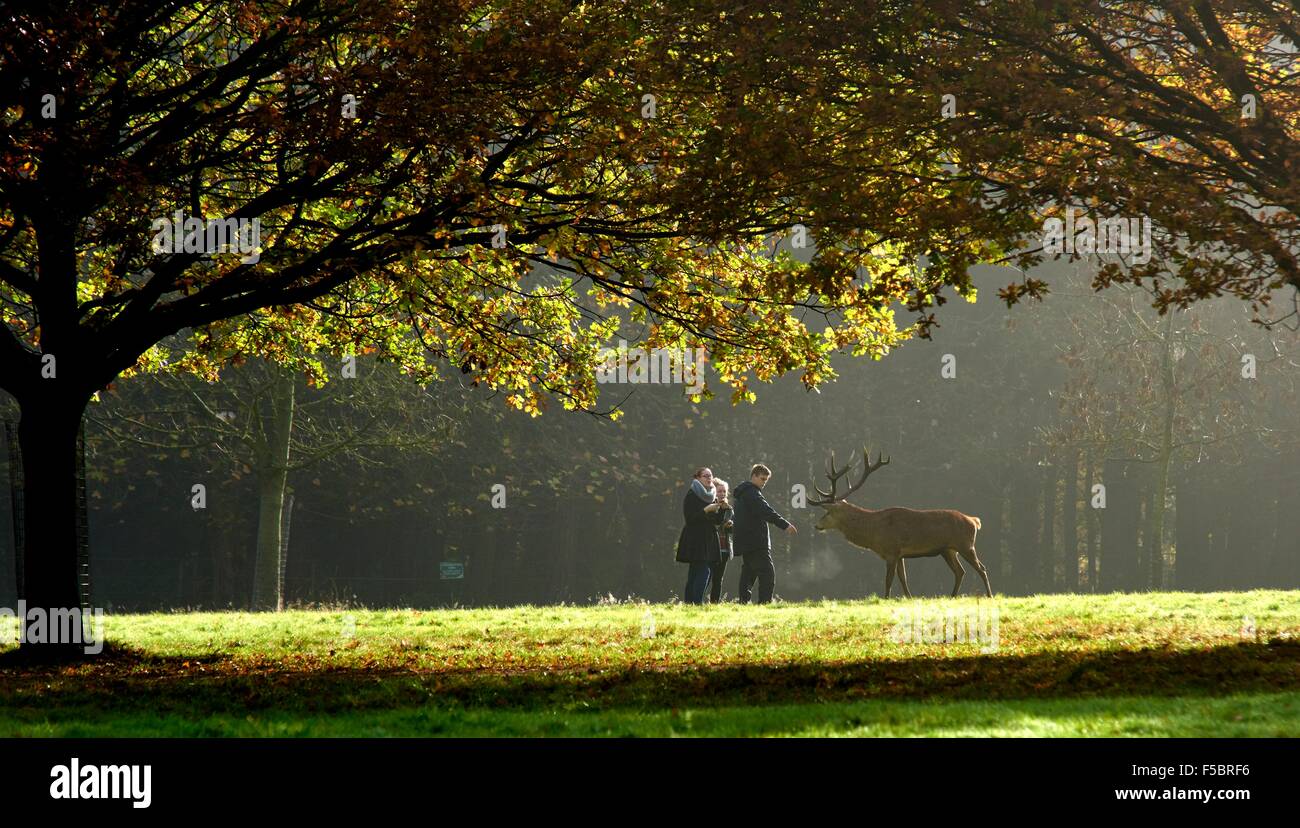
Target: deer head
(834, 503)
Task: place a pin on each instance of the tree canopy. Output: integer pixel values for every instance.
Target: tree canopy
(1181, 111)
(639, 156)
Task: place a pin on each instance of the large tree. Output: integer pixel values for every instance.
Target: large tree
(497, 184)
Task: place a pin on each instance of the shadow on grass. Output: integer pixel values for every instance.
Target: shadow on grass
(46, 656)
(129, 681)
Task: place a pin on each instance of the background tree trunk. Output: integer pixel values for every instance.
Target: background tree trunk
(1024, 531)
(272, 478)
(1092, 518)
(1047, 572)
(988, 541)
(1119, 528)
(1069, 520)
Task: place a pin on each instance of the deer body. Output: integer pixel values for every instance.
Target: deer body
(898, 533)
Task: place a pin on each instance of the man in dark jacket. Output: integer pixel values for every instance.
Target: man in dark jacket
(750, 536)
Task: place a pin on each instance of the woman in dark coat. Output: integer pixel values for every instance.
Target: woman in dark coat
(697, 545)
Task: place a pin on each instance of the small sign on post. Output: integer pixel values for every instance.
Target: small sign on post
(451, 571)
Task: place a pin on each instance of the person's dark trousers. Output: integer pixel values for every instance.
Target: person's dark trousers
(757, 567)
(697, 582)
(715, 580)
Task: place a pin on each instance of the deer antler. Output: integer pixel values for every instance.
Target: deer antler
(834, 477)
(867, 468)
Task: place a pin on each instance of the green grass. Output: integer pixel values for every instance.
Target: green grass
(1149, 664)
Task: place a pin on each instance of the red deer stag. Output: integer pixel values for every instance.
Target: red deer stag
(897, 533)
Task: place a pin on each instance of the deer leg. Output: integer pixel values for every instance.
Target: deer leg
(973, 559)
(957, 569)
(889, 576)
(902, 577)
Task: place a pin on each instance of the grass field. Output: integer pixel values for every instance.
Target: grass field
(1149, 664)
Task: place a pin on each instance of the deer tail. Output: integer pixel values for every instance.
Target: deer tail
(978, 525)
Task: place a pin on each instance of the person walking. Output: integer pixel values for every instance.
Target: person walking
(697, 544)
(751, 539)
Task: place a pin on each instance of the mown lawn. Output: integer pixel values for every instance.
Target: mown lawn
(1149, 664)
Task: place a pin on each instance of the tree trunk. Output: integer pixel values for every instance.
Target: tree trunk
(1092, 519)
(1249, 538)
(1047, 573)
(1024, 550)
(1119, 528)
(1282, 556)
(988, 540)
(228, 544)
(1069, 521)
(1156, 556)
(286, 521)
(272, 477)
(47, 436)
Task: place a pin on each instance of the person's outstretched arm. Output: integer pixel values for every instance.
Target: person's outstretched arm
(765, 510)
